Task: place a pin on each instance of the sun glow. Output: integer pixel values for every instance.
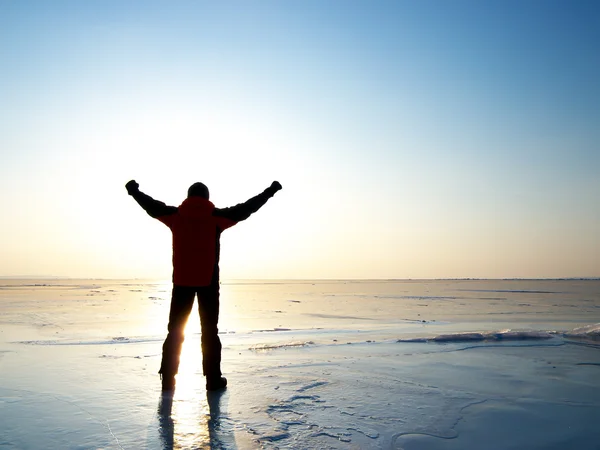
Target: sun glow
(190, 366)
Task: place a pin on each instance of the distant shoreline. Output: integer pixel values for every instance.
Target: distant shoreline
(301, 280)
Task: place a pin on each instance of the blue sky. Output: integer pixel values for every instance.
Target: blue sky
(414, 139)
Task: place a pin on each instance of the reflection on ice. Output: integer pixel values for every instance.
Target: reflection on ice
(190, 422)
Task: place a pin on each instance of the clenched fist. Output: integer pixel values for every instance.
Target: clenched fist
(132, 187)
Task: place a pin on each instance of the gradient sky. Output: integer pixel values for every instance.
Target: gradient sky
(414, 139)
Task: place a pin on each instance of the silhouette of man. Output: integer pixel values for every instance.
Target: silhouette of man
(196, 226)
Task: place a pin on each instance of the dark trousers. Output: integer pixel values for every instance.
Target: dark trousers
(182, 301)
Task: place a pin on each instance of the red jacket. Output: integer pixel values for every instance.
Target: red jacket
(196, 226)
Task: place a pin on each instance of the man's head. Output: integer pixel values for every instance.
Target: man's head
(198, 190)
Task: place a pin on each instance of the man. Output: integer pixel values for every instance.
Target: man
(196, 226)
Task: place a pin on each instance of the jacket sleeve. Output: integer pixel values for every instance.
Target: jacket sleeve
(154, 208)
(244, 210)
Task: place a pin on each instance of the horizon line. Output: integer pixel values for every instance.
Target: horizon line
(56, 277)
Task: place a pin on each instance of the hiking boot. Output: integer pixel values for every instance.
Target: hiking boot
(214, 384)
(168, 382)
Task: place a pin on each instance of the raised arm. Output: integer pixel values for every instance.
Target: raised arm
(154, 208)
(244, 210)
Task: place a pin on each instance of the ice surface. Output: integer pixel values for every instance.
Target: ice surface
(433, 365)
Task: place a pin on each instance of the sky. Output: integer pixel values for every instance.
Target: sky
(413, 139)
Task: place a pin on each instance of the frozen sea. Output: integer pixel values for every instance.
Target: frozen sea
(419, 364)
